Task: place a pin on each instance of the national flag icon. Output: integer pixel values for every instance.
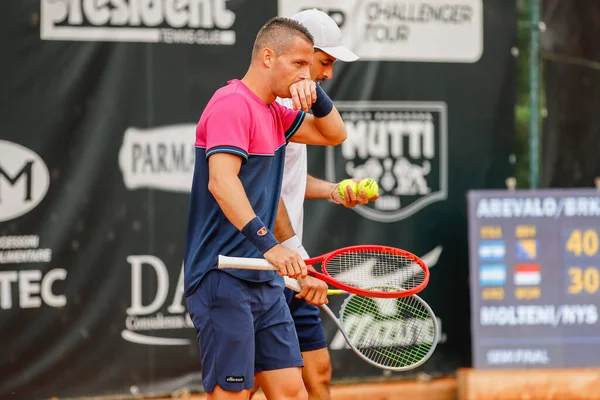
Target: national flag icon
(492, 275)
(262, 231)
(526, 249)
(527, 275)
(491, 250)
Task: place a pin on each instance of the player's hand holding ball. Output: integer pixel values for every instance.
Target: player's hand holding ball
(351, 192)
(347, 188)
(369, 188)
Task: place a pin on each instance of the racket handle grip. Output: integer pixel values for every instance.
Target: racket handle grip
(292, 284)
(295, 286)
(245, 263)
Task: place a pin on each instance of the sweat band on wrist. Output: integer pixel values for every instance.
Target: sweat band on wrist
(337, 185)
(257, 233)
(295, 244)
(292, 243)
(323, 106)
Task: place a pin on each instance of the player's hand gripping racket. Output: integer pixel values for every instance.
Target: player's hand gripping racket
(391, 334)
(373, 271)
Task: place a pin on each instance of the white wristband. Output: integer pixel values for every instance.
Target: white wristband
(295, 244)
(331, 199)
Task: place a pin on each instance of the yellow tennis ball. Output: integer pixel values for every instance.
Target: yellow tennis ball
(369, 186)
(344, 184)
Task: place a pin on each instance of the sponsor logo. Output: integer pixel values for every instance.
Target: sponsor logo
(24, 180)
(262, 231)
(366, 330)
(398, 30)
(235, 379)
(156, 315)
(23, 250)
(401, 145)
(31, 289)
(205, 22)
(159, 158)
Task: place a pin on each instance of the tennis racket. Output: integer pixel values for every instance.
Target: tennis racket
(391, 334)
(372, 271)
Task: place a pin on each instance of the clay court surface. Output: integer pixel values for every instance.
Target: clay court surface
(439, 389)
(469, 384)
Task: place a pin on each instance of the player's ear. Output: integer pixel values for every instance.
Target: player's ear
(268, 57)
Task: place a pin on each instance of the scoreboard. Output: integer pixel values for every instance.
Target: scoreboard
(535, 278)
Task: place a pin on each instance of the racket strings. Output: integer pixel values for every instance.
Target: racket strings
(371, 268)
(394, 333)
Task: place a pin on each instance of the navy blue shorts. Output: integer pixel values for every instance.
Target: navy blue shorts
(243, 328)
(307, 319)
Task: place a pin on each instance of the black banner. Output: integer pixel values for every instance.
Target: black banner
(96, 156)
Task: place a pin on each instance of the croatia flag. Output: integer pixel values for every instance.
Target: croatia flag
(527, 275)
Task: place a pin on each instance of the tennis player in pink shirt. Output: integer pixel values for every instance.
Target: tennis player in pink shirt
(245, 329)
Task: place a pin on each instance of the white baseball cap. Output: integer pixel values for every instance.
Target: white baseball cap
(326, 33)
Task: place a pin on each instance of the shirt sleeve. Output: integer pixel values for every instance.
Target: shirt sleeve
(290, 120)
(228, 127)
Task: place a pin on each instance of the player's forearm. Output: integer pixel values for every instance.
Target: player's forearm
(283, 225)
(332, 127)
(232, 199)
(284, 232)
(318, 188)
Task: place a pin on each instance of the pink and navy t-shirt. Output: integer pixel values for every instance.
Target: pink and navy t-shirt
(236, 121)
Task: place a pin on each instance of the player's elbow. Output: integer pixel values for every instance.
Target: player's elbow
(339, 135)
(216, 186)
(339, 127)
(342, 135)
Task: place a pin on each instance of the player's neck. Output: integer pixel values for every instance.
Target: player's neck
(255, 81)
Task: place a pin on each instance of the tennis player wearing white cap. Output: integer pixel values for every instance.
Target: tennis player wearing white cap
(298, 185)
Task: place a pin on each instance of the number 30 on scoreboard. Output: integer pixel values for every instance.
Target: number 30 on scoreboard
(583, 280)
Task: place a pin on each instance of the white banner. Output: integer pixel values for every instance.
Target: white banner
(404, 30)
